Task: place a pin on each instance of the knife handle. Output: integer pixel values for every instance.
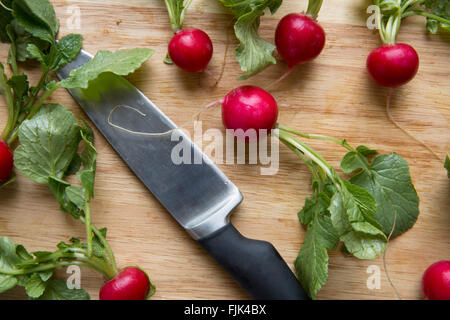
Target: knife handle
(256, 265)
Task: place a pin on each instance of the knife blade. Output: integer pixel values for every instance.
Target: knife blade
(197, 194)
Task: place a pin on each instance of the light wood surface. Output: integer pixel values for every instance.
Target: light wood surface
(333, 95)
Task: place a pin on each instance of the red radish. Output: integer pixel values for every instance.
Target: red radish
(436, 281)
(299, 38)
(129, 284)
(6, 161)
(393, 65)
(191, 49)
(249, 107)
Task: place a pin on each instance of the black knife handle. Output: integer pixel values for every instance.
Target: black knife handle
(256, 265)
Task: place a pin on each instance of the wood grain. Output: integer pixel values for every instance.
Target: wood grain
(332, 95)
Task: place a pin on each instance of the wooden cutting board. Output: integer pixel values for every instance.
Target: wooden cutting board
(332, 95)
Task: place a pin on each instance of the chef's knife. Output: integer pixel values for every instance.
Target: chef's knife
(199, 196)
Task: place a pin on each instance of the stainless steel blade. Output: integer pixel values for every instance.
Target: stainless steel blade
(199, 196)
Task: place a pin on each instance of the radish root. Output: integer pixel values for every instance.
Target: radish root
(389, 115)
(384, 259)
(5, 7)
(155, 134)
(222, 70)
(284, 76)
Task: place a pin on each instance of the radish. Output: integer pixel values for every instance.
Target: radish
(393, 65)
(6, 161)
(249, 107)
(129, 284)
(299, 38)
(436, 281)
(191, 50)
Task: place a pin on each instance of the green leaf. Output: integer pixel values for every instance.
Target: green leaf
(364, 241)
(5, 19)
(45, 275)
(35, 286)
(441, 9)
(317, 203)
(122, 62)
(4, 86)
(58, 290)
(58, 188)
(74, 243)
(21, 39)
(19, 84)
(8, 256)
(11, 257)
(37, 17)
(350, 209)
(388, 180)
(447, 164)
(354, 160)
(253, 53)
(49, 142)
(36, 53)
(68, 48)
(89, 160)
(59, 55)
(7, 282)
(311, 264)
(74, 166)
(77, 196)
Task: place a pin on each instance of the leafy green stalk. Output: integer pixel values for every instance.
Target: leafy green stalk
(386, 177)
(176, 10)
(34, 271)
(314, 8)
(391, 12)
(50, 139)
(5, 90)
(359, 212)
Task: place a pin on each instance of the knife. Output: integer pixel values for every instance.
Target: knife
(199, 196)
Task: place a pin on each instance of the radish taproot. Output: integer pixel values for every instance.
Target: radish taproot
(6, 161)
(131, 283)
(191, 50)
(299, 38)
(436, 281)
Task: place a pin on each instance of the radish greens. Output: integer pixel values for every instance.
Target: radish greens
(378, 201)
(253, 53)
